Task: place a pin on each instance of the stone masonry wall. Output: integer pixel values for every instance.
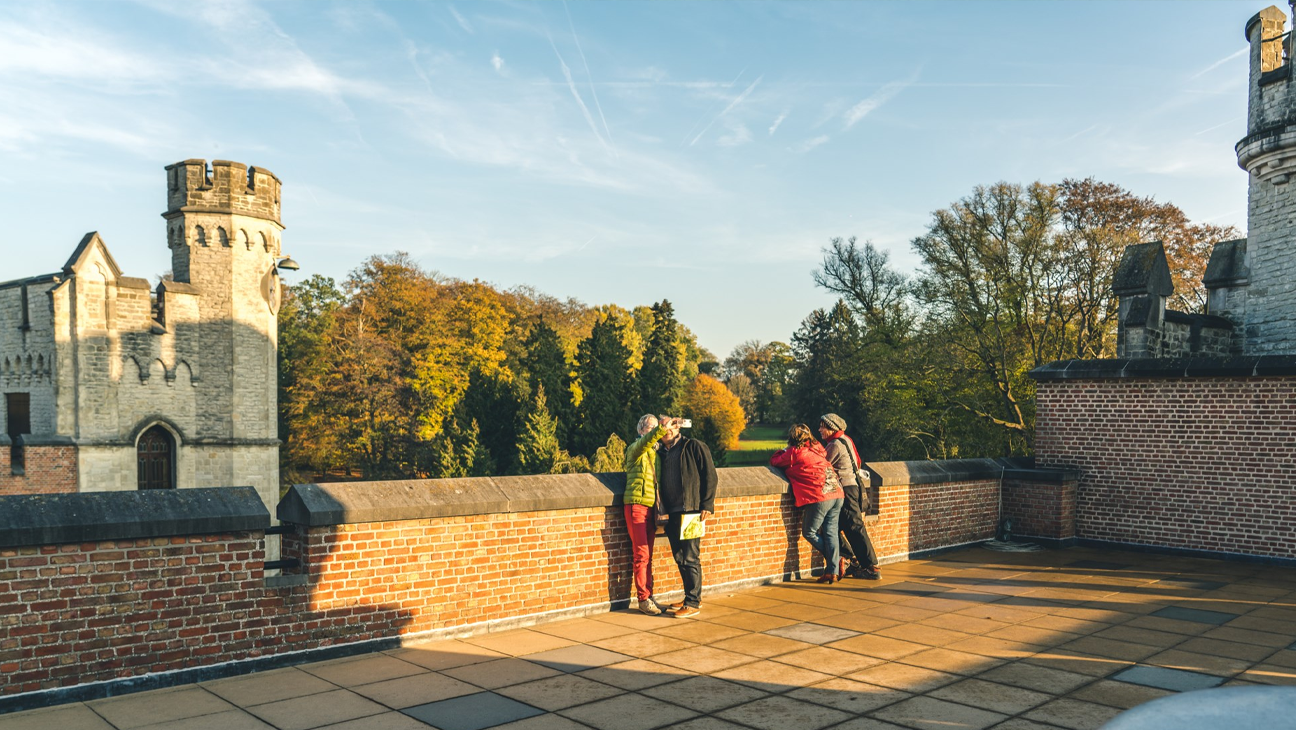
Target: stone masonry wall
(1203, 463)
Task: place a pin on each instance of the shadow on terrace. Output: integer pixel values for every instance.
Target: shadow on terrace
(971, 639)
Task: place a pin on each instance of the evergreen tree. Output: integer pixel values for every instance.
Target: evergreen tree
(707, 430)
(661, 381)
(538, 450)
(611, 456)
(496, 403)
(545, 362)
(607, 385)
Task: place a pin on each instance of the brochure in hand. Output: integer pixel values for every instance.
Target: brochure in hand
(691, 526)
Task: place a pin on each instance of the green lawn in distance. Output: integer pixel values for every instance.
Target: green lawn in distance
(756, 444)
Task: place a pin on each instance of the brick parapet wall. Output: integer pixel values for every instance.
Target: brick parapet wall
(48, 470)
(1041, 509)
(1201, 463)
(80, 612)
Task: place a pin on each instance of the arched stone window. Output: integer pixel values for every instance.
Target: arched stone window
(243, 239)
(156, 459)
(265, 242)
(223, 237)
(200, 236)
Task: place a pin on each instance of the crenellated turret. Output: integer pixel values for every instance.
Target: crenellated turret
(222, 187)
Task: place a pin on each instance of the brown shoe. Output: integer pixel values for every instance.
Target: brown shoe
(687, 612)
(673, 607)
(827, 578)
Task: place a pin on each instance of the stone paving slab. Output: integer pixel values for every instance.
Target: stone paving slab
(1038, 641)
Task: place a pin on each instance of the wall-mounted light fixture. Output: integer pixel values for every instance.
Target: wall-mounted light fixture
(287, 264)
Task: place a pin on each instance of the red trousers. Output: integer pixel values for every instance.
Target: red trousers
(643, 531)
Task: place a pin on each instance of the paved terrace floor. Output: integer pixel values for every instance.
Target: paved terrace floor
(970, 640)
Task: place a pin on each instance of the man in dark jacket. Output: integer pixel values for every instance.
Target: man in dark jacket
(857, 548)
(686, 483)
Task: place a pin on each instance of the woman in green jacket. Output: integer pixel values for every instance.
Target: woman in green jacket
(639, 499)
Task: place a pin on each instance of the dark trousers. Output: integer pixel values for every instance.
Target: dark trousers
(688, 557)
(857, 545)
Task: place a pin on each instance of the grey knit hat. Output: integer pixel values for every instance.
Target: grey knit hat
(833, 421)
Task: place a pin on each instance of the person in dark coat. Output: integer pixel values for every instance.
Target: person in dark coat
(686, 483)
(856, 548)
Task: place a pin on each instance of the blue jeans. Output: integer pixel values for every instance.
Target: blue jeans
(819, 528)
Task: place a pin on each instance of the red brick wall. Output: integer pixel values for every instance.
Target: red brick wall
(1040, 509)
(1197, 463)
(71, 614)
(925, 516)
(49, 469)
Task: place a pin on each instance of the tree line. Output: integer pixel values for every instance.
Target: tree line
(934, 364)
(401, 373)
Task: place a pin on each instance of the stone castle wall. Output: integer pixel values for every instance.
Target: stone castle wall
(104, 357)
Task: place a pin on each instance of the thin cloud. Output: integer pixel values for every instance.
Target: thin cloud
(1079, 134)
(497, 62)
(809, 144)
(1214, 127)
(461, 20)
(588, 75)
(737, 136)
(732, 105)
(1241, 52)
(571, 84)
(877, 99)
(777, 122)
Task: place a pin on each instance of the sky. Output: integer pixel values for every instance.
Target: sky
(614, 152)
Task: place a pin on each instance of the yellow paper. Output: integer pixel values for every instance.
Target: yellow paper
(691, 526)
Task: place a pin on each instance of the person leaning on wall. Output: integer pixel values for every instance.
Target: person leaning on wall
(686, 485)
(856, 548)
(816, 492)
(640, 500)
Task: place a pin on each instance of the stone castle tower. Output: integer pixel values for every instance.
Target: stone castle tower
(1267, 311)
(110, 386)
(1250, 282)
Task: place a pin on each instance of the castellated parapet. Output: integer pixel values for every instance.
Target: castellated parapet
(157, 387)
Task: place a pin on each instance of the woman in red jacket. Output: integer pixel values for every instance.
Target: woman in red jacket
(808, 470)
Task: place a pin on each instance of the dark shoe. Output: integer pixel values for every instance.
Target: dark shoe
(827, 578)
(687, 612)
(869, 573)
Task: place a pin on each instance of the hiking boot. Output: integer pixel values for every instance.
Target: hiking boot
(687, 612)
(869, 573)
(650, 607)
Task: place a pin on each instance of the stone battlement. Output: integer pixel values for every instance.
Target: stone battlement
(223, 187)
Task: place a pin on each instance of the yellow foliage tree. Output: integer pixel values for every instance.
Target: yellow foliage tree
(715, 411)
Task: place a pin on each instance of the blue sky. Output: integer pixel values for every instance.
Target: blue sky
(616, 151)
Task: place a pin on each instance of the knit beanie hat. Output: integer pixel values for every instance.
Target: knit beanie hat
(834, 421)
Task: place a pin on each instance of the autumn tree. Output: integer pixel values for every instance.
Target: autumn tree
(717, 417)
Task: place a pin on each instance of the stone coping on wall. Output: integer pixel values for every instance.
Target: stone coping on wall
(1178, 367)
(56, 519)
(338, 503)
